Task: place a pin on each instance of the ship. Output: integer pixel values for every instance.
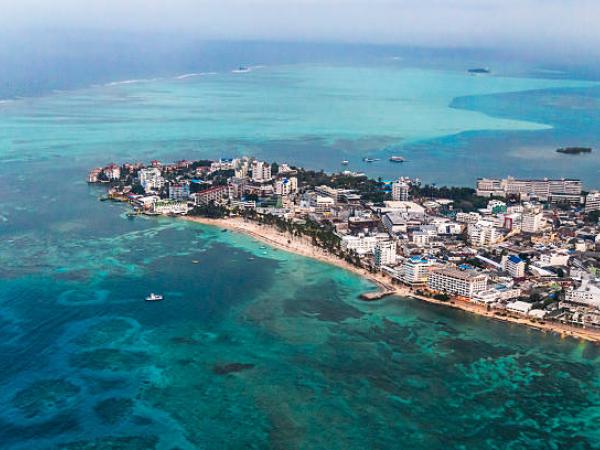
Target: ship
(154, 297)
(397, 159)
(370, 160)
(345, 162)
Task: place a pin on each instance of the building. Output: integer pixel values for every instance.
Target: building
(482, 233)
(261, 171)
(592, 202)
(214, 194)
(94, 175)
(385, 253)
(587, 294)
(410, 209)
(179, 191)
(170, 207)
(415, 271)
(464, 283)
(519, 307)
(286, 186)
(400, 191)
(112, 172)
(531, 222)
(544, 189)
(395, 223)
(514, 265)
(360, 244)
(151, 179)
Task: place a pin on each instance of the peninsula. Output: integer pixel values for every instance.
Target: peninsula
(524, 251)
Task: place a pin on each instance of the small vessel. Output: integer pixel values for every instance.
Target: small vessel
(195, 261)
(223, 230)
(345, 162)
(397, 159)
(154, 297)
(370, 160)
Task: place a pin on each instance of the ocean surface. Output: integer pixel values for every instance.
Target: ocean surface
(254, 347)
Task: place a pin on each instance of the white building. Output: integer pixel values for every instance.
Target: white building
(559, 258)
(385, 253)
(531, 222)
(587, 294)
(261, 171)
(360, 244)
(151, 179)
(170, 207)
(519, 307)
(410, 209)
(415, 271)
(471, 217)
(496, 294)
(514, 265)
(400, 191)
(482, 233)
(286, 186)
(112, 172)
(543, 189)
(592, 202)
(464, 283)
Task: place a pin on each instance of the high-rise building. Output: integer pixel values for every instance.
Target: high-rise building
(531, 222)
(482, 233)
(400, 191)
(261, 171)
(385, 253)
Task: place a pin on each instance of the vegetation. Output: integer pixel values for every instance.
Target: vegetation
(370, 190)
(464, 198)
(211, 210)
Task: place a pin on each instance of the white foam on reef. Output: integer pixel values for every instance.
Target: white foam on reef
(190, 75)
(133, 81)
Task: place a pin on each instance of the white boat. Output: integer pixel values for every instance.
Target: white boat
(154, 297)
(398, 159)
(345, 162)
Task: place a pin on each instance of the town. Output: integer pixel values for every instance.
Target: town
(516, 248)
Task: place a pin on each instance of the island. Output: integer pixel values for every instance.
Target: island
(479, 71)
(518, 250)
(574, 150)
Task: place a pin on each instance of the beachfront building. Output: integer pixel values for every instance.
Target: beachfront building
(385, 253)
(151, 179)
(360, 244)
(214, 194)
(543, 189)
(112, 172)
(464, 283)
(414, 271)
(587, 294)
(400, 191)
(179, 191)
(170, 207)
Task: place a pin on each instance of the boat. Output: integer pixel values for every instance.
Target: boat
(195, 261)
(154, 297)
(370, 160)
(397, 159)
(345, 162)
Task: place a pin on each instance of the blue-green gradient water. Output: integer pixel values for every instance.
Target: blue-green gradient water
(253, 347)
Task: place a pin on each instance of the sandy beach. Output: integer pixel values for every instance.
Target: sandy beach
(303, 246)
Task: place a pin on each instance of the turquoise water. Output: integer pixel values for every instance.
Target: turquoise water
(259, 348)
